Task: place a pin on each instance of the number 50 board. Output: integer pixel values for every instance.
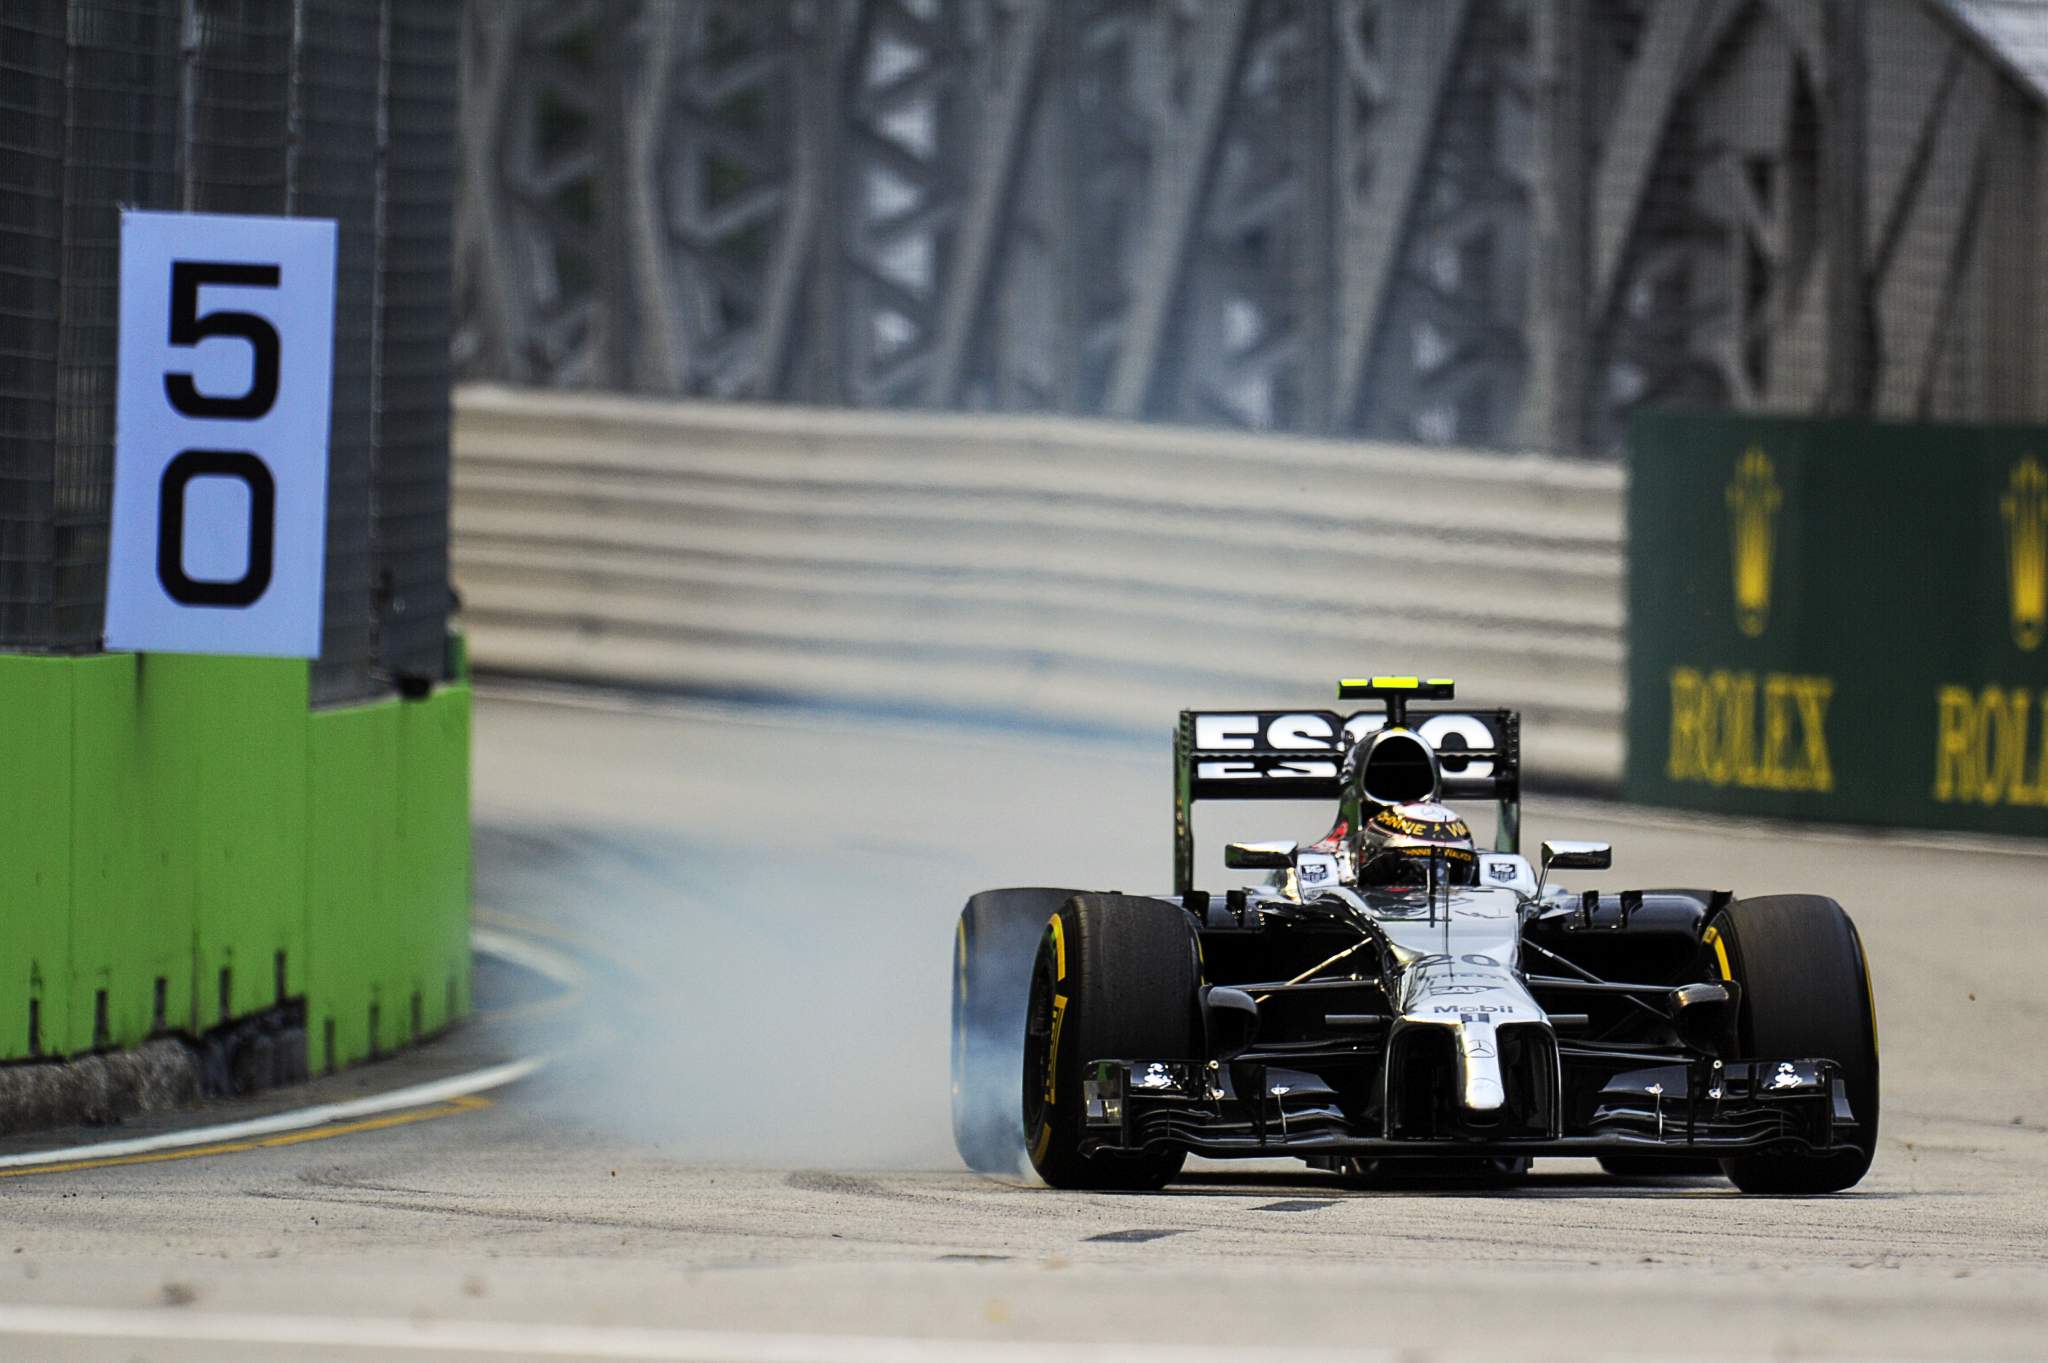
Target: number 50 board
(220, 434)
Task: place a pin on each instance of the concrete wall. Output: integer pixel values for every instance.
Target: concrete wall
(1073, 571)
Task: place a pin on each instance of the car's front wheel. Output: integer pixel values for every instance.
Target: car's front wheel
(1805, 993)
(1116, 978)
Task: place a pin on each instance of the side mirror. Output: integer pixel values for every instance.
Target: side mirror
(1231, 1018)
(1577, 856)
(1573, 856)
(1258, 856)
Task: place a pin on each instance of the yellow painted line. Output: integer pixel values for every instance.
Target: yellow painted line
(404, 1106)
(452, 1108)
(319, 1117)
(430, 1102)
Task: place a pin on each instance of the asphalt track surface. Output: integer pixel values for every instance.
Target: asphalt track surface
(741, 1150)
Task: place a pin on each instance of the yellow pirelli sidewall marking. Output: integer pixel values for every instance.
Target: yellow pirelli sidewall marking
(1052, 1048)
(451, 1108)
(1869, 992)
(1712, 937)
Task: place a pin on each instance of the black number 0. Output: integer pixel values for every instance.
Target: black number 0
(189, 328)
(254, 474)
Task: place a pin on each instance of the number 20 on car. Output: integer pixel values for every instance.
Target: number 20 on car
(220, 439)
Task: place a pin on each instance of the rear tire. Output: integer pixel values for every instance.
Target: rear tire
(1116, 978)
(993, 949)
(1805, 993)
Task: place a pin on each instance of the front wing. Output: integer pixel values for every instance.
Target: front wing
(1682, 1108)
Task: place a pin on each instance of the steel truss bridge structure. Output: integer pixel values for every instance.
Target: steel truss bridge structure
(1482, 222)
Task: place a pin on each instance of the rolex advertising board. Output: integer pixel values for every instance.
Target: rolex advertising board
(1839, 620)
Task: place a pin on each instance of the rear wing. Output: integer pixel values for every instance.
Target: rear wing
(1296, 754)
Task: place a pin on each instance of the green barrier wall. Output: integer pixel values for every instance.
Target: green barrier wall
(1840, 621)
(183, 842)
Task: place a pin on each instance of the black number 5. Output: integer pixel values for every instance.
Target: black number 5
(188, 328)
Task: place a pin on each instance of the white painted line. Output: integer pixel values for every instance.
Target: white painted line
(578, 950)
(520, 952)
(418, 1095)
(514, 1340)
(541, 1340)
(529, 955)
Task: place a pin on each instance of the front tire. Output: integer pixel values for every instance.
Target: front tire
(1805, 993)
(1116, 978)
(993, 950)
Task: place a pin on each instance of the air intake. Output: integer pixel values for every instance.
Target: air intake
(1398, 768)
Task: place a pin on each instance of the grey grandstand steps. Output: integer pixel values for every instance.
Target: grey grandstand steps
(969, 628)
(1072, 571)
(1447, 489)
(1228, 618)
(1287, 579)
(1561, 741)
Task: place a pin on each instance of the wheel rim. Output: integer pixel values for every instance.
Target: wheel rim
(1038, 1055)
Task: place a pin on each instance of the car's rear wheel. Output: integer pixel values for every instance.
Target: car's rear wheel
(993, 949)
(1805, 993)
(1116, 978)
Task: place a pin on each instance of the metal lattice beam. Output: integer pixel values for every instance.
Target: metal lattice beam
(1480, 221)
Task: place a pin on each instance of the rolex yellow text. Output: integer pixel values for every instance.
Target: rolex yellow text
(1991, 746)
(1732, 728)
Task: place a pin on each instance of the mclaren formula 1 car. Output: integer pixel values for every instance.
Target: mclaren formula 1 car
(1466, 1016)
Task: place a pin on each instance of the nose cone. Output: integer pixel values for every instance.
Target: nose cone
(1481, 1088)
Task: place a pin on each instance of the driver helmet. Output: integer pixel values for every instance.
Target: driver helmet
(1398, 843)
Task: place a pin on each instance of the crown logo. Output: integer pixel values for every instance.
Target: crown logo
(1753, 501)
(2025, 506)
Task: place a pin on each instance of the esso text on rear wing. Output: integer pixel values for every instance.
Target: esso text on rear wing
(1297, 755)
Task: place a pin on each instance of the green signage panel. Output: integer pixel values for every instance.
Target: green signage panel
(1839, 620)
